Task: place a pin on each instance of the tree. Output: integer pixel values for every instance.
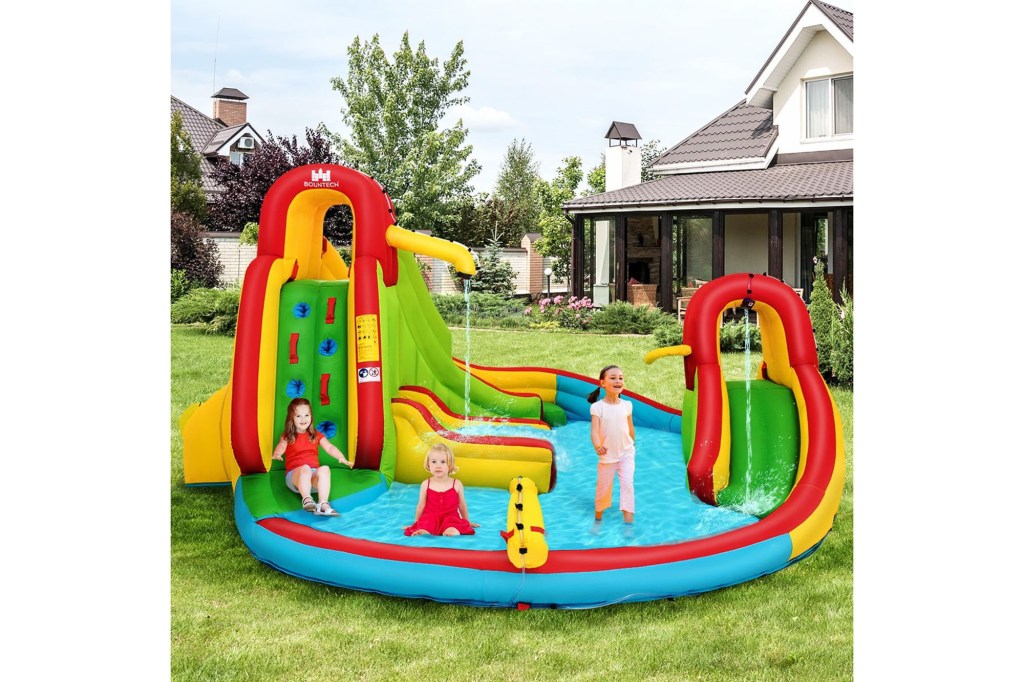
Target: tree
(649, 153)
(493, 274)
(393, 109)
(483, 218)
(517, 188)
(596, 179)
(824, 318)
(841, 360)
(245, 186)
(555, 227)
(187, 195)
(196, 257)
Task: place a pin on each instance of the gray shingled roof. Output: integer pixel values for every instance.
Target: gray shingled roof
(220, 137)
(828, 180)
(622, 131)
(843, 19)
(202, 129)
(742, 132)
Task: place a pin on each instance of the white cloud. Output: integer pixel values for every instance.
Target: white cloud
(483, 119)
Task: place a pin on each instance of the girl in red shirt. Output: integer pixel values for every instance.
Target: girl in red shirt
(299, 447)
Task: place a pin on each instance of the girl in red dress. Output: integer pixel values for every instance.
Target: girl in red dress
(441, 509)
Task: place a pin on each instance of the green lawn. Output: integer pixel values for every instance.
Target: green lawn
(234, 618)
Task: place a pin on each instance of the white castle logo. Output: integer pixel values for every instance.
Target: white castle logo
(320, 175)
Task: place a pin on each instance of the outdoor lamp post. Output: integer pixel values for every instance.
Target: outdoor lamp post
(547, 273)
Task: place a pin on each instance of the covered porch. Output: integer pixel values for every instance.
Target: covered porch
(654, 237)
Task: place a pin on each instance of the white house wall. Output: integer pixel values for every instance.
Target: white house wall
(746, 244)
(823, 57)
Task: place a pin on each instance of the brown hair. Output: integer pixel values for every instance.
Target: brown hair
(592, 396)
(289, 420)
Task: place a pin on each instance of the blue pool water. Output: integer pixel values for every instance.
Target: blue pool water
(666, 512)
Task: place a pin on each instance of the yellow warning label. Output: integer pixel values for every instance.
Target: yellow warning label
(367, 347)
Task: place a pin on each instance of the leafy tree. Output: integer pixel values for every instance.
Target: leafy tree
(196, 257)
(649, 153)
(596, 179)
(245, 186)
(481, 219)
(517, 188)
(187, 195)
(250, 234)
(393, 109)
(470, 227)
(555, 227)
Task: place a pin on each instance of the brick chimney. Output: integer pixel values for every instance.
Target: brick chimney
(229, 106)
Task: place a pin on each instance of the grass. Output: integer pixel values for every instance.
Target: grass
(234, 618)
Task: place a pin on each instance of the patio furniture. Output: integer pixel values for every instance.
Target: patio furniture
(685, 294)
(643, 294)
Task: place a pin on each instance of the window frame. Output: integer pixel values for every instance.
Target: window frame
(830, 133)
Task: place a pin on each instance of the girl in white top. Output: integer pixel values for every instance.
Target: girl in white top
(611, 432)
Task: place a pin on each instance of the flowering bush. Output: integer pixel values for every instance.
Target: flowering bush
(569, 312)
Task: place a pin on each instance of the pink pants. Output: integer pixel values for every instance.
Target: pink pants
(605, 480)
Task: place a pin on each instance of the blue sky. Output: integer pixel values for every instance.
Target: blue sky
(555, 74)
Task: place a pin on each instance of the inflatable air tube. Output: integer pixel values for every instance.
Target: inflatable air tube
(527, 546)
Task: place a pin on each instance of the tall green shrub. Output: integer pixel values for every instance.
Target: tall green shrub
(824, 315)
(841, 359)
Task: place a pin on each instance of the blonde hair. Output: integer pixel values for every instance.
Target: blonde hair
(441, 448)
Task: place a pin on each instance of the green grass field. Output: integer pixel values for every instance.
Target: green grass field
(234, 618)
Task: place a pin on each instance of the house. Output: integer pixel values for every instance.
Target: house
(226, 134)
(765, 187)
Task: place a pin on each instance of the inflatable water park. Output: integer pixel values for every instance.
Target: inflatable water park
(742, 481)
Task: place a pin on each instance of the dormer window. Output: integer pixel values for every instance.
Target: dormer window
(829, 107)
(238, 157)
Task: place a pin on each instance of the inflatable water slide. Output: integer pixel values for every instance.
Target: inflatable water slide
(365, 344)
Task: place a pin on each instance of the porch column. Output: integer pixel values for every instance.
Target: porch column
(775, 242)
(620, 257)
(576, 259)
(717, 243)
(666, 292)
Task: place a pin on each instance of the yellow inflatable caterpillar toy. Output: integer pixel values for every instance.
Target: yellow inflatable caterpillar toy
(527, 547)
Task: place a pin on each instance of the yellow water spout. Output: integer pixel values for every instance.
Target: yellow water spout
(457, 255)
(659, 353)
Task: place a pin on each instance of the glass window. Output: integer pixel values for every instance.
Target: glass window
(843, 107)
(691, 261)
(817, 109)
(829, 107)
(237, 158)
